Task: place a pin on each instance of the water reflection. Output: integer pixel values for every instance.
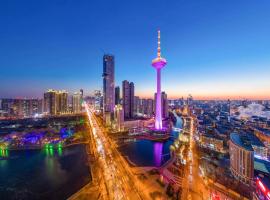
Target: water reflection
(39, 175)
(4, 153)
(158, 148)
(151, 153)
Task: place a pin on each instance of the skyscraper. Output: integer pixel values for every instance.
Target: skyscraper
(62, 101)
(136, 104)
(119, 117)
(128, 99)
(117, 95)
(158, 63)
(108, 88)
(131, 87)
(55, 102)
(81, 95)
(76, 102)
(50, 99)
(164, 105)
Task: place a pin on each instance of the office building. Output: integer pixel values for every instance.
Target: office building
(108, 88)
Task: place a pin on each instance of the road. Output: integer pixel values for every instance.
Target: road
(196, 188)
(119, 182)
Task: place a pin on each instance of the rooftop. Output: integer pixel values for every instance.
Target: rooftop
(241, 140)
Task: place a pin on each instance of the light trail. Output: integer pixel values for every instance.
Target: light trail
(117, 177)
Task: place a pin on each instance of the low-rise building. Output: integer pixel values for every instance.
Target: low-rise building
(211, 142)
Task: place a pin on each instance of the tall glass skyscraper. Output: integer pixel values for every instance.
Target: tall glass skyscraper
(108, 87)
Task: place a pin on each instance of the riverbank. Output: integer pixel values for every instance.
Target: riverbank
(42, 147)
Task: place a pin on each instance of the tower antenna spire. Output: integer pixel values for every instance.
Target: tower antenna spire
(159, 49)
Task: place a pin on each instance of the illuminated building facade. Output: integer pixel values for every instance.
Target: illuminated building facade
(76, 103)
(262, 188)
(55, 102)
(119, 117)
(241, 158)
(158, 63)
(50, 102)
(62, 102)
(21, 107)
(98, 100)
(211, 142)
(108, 88)
(128, 99)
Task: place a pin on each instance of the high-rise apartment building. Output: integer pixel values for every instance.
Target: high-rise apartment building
(76, 103)
(55, 102)
(150, 107)
(62, 102)
(119, 117)
(50, 102)
(128, 99)
(136, 105)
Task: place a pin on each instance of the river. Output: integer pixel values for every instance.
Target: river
(43, 174)
(150, 153)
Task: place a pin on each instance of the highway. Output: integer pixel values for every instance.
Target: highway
(196, 188)
(120, 183)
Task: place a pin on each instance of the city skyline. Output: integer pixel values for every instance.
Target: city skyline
(211, 55)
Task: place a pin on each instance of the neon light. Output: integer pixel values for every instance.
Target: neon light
(268, 195)
(261, 186)
(51, 151)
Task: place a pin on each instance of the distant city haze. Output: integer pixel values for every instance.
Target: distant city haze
(214, 49)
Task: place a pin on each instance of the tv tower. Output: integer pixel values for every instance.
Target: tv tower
(158, 63)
